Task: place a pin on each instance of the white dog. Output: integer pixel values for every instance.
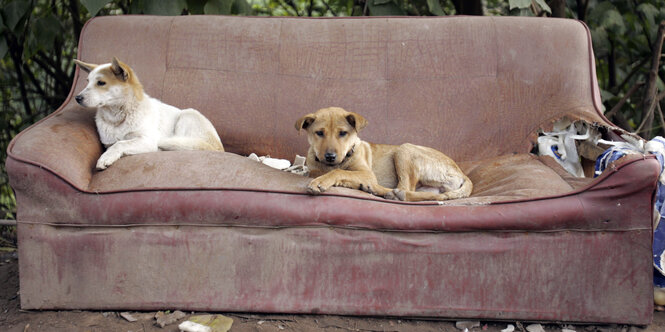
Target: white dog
(131, 122)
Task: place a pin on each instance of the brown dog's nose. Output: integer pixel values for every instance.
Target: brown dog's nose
(330, 157)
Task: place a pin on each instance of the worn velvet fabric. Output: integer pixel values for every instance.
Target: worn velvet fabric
(200, 230)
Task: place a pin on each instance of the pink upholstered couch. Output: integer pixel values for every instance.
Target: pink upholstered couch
(212, 231)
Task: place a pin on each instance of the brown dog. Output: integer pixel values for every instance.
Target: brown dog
(338, 157)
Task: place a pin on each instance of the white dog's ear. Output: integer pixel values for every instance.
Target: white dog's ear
(86, 67)
(305, 121)
(119, 69)
(356, 121)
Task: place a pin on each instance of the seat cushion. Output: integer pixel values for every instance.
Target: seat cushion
(500, 179)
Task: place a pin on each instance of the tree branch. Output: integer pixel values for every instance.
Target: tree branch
(293, 6)
(623, 100)
(634, 71)
(15, 52)
(76, 18)
(662, 119)
(650, 97)
(328, 7)
(581, 9)
(558, 8)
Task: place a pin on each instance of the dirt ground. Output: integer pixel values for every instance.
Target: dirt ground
(13, 319)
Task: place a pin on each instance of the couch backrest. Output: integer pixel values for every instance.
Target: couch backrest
(472, 87)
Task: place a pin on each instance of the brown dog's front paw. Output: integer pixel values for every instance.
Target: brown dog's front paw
(396, 195)
(316, 187)
(314, 190)
(366, 188)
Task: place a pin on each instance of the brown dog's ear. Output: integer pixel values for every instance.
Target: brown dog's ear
(119, 69)
(305, 121)
(86, 67)
(356, 120)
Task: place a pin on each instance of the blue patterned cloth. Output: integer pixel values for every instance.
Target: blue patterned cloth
(656, 147)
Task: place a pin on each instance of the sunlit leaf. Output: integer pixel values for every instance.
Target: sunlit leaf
(435, 7)
(606, 95)
(93, 6)
(613, 21)
(597, 13)
(544, 6)
(649, 12)
(519, 4)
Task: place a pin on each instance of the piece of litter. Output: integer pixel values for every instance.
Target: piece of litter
(510, 328)
(466, 325)
(272, 162)
(298, 166)
(277, 163)
(163, 319)
(189, 326)
(535, 328)
(280, 326)
(217, 323)
(128, 317)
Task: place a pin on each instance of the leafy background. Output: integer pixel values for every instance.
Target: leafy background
(38, 40)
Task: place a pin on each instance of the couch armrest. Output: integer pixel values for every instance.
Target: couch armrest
(65, 143)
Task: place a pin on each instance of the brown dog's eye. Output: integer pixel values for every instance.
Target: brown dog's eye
(101, 83)
(319, 133)
(342, 133)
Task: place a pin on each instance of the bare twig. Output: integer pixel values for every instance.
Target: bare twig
(633, 71)
(660, 96)
(621, 121)
(661, 117)
(623, 100)
(293, 6)
(650, 97)
(328, 7)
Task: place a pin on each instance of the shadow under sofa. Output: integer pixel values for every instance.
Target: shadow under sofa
(213, 231)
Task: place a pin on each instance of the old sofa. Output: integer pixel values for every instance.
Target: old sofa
(211, 231)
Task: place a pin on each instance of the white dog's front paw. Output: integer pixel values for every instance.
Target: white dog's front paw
(107, 159)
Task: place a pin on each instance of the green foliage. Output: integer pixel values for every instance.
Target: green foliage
(528, 7)
(624, 34)
(94, 6)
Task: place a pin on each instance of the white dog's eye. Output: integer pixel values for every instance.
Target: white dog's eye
(319, 133)
(101, 83)
(342, 133)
